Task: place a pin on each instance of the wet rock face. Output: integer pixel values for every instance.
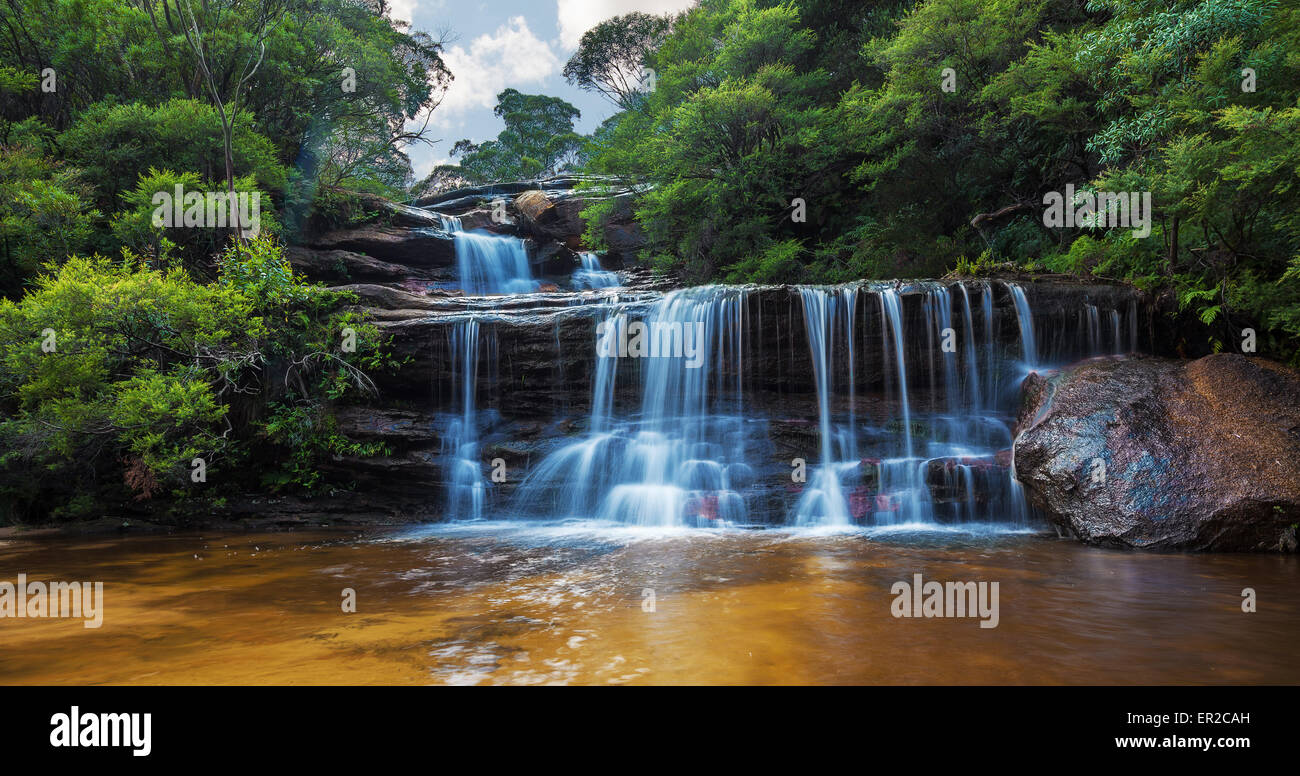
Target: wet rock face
(409, 246)
(420, 247)
(557, 215)
(339, 266)
(1167, 455)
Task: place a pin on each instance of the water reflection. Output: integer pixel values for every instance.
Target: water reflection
(529, 603)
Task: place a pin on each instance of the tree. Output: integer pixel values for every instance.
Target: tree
(921, 133)
(268, 13)
(538, 140)
(611, 55)
(115, 144)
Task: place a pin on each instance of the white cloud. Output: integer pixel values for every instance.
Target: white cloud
(512, 56)
(577, 16)
(402, 9)
(421, 166)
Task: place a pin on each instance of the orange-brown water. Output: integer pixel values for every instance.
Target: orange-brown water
(512, 605)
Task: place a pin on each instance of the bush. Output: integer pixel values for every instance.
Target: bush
(44, 213)
(115, 372)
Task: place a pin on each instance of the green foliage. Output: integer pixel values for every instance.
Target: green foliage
(983, 265)
(308, 437)
(110, 366)
(44, 212)
(117, 145)
(108, 50)
(105, 360)
(191, 345)
(777, 262)
(538, 140)
(610, 56)
(757, 104)
(137, 225)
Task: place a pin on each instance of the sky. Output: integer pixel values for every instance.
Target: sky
(499, 44)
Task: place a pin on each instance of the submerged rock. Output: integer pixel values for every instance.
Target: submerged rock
(1167, 455)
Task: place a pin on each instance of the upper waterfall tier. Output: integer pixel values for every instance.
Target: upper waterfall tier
(490, 263)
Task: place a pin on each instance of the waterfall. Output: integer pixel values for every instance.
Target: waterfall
(490, 263)
(942, 459)
(891, 311)
(901, 496)
(916, 389)
(1029, 346)
(991, 379)
(973, 392)
(591, 275)
(1093, 326)
(466, 488)
(824, 503)
(1132, 326)
(681, 459)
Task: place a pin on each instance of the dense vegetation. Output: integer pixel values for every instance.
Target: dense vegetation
(138, 361)
(800, 141)
(906, 168)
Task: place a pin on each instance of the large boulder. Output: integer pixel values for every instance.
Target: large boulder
(625, 239)
(623, 235)
(1164, 454)
(552, 214)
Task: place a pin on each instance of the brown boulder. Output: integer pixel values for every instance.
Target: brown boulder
(553, 215)
(624, 239)
(1168, 455)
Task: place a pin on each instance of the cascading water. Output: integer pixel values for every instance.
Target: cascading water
(1028, 343)
(939, 454)
(915, 387)
(466, 488)
(682, 458)
(591, 275)
(826, 312)
(490, 263)
(974, 389)
(487, 264)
